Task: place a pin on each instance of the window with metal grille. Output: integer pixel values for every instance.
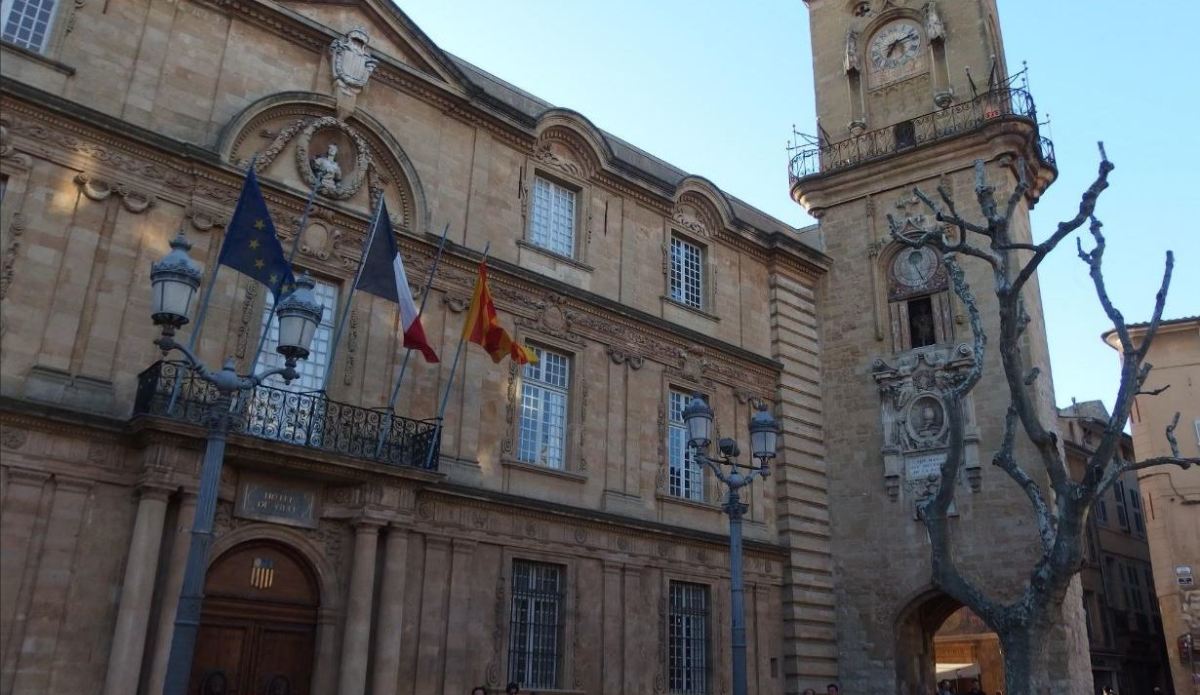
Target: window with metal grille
(312, 370)
(27, 22)
(552, 225)
(687, 273)
(685, 479)
(535, 632)
(688, 639)
(544, 391)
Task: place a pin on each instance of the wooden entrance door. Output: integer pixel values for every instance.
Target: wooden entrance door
(258, 629)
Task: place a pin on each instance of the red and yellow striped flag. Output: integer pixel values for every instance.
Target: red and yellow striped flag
(481, 327)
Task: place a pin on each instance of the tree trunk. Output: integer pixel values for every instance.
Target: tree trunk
(1021, 647)
(1032, 666)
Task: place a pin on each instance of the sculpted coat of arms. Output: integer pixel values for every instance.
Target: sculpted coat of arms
(913, 416)
(352, 65)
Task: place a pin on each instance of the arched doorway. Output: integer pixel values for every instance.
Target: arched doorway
(937, 638)
(258, 627)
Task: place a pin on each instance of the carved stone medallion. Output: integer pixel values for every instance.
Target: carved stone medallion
(332, 156)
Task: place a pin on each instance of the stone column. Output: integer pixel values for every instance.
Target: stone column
(356, 638)
(133, 612)
(391, 613)
(172, 583)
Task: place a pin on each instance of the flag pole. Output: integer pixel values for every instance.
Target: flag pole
(462, 339)
(341, 326)
(420, 312)
(408, 351)
(308, 205)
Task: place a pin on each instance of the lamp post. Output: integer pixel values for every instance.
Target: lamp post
(174, 281)
(764, 433)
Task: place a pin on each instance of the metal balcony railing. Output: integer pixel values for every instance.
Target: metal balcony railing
(171, 390)
(1016, 102)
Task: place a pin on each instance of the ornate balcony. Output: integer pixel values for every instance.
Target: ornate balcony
(998, 104)
(170, 390)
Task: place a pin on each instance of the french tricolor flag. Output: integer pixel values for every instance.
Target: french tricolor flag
(383, 275)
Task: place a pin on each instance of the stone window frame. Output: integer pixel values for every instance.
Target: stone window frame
(572, 444)
(62, 21)
(710, 491)
(583, 196)
(512, 555)
(706, 272)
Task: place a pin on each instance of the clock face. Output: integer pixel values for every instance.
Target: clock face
(895, 50)
(913, 268)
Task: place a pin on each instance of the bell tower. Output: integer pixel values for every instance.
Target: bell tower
(912, 93)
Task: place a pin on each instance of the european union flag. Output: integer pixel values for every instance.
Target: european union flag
(251, 247)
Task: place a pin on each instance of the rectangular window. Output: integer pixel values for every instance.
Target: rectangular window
(544, 390)
(1102, 511)
(1151, 595)
(1135, 506)
(535, 626)
(313, 368)
(27, 22)
(688, 644)
(687, 273)
(686, 480)
(1119, 495)
(552, 224)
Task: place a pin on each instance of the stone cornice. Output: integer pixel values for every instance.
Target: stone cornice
(550, 511)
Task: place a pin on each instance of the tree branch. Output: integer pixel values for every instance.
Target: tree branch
(1087, 206)
(1175, 459)
(1005, 461)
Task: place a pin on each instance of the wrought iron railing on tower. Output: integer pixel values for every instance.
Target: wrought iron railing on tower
(807, 160)
(170, 390)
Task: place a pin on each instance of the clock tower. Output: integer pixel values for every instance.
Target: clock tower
(912, 93)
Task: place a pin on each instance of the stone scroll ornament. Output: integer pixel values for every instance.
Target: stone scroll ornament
(352, 65)
(913, 418)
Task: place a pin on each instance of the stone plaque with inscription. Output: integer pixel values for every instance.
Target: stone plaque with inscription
(923, 466)
(277, 502)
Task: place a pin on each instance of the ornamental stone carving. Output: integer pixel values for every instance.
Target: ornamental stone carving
(325, 149)
(351, 64)
(934, 29)
(914, 420)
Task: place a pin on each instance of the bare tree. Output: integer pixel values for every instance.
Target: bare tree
(1061, 512)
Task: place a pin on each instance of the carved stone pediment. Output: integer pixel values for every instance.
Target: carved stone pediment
(914, 421)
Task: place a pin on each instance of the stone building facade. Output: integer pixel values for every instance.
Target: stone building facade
(1124, 625)
(1170, 494)
(584, 558)
(124, 122)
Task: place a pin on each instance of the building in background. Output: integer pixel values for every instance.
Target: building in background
(1171, 496)
(1124, 625)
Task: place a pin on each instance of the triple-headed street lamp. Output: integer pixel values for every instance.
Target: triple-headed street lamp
(174, 281)
(764, 434)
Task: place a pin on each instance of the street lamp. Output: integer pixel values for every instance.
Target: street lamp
(174, 281)
(764, 433)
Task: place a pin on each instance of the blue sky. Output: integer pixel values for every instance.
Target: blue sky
(714, 88)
